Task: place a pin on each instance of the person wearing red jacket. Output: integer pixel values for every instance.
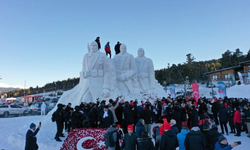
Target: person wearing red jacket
(107, 49)
(237, 121)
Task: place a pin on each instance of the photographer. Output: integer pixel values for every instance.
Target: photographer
(31, 141)
(222, 144)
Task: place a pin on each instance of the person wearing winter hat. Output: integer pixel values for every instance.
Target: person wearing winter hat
(169, 139)
(222, 144)
(130, 140)
(195, 139)
(31, 141)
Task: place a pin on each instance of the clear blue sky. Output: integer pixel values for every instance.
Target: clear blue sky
(44, 41)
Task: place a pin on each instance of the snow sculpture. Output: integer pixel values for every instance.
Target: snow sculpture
(125, 73)
(145, 72)
(97, 79)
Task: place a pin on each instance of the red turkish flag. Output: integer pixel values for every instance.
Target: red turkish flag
(195, 87)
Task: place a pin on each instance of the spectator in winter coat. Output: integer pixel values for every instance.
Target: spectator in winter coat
(247, 119)
(69, 119)
(176, 115)
(215, 110)
(195, 140)
(222, 144)
(213, 135)
(130, 140)
(107, 50)
(112, 108)
(182, 136)
(237, 121)
(168, 139)
(174, 128)
(157, 132)
(231, 118)
(59, 122)
(105, 118)
(145, 142)
(30, 143)
(147, 115)
(223, 115)
(183, 114)
(112, 129)
(193, 116)
(139, 128)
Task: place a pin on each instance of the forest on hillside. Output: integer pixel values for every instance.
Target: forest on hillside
(176, 73)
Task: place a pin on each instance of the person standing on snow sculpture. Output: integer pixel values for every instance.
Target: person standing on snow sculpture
(125, 72)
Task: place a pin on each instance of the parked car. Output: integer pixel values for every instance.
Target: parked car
(36, 107)
(7, 110)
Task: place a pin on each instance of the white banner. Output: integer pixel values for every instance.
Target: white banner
(241, 78)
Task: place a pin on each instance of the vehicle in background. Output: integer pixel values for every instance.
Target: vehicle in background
(36, 107)
(7, 110)
(10, 100)
(29, 99)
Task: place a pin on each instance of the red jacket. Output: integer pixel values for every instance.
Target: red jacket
(107, 49)
(237, 116)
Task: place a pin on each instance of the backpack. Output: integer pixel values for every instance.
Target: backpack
(53, 118)
(108, 139)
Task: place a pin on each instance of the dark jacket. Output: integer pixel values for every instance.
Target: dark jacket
(212, 136)
(30, 143)
(175, 129)
(247, 115)
(195, 140)
(193, 117)
(130, 116)
(107, 121)
(139, 128)
(169, 141)
(147, 115)
(223, 114)
(145, 144)
(129, 142)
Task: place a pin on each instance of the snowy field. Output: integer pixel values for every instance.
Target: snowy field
(13, 130)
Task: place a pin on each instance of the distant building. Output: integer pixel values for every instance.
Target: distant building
(230, 75)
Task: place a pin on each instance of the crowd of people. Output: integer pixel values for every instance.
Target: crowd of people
(174, 118)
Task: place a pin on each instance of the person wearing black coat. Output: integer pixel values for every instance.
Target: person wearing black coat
(193, 117)
(176, 115)
(195, 140)
(169, 139)
(98, 42)
(145, 142)
(129, 113)
(105, 118)
(117, 48)
(130, 140)
(223, 115)
(30, 143)
(213, 135)
(215, 110)
(139, 128)
(93, 116)
(59, 117)
(147, 115)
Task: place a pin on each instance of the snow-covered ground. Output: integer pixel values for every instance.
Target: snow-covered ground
(13, 130)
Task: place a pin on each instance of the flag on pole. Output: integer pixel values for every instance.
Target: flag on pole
(222, 89)
(195, 88)
(172, 90)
